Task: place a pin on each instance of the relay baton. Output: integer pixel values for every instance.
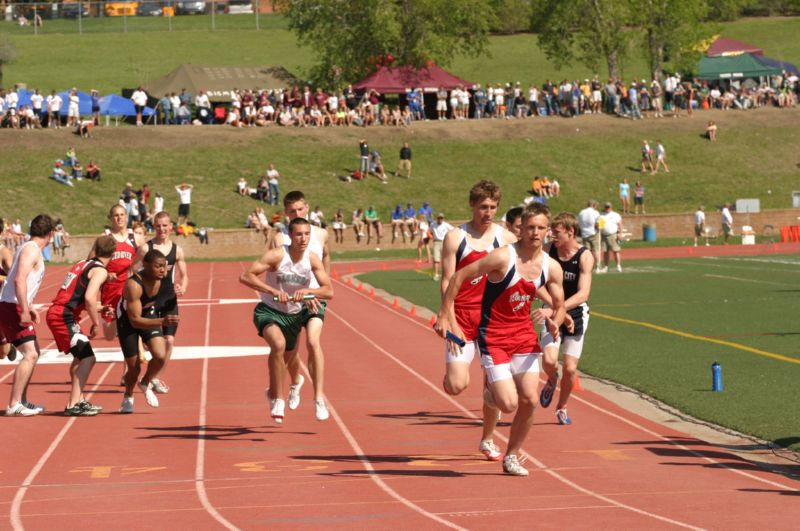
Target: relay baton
(307, 297)
(455, 339)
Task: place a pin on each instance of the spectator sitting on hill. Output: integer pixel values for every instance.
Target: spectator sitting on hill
(711, 131)
(71, 156)
(60, 238)
(316, 217)
(60, 175)
(555, 188)
(376, 166)
(93, 171)
(77, 171)
(537, 188)
(242, 187)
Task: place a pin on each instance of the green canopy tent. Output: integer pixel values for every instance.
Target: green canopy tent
(734, 67)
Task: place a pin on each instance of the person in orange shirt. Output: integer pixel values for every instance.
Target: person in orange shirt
(536, 187)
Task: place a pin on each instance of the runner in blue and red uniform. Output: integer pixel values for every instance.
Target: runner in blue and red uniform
(506, 338)
(80, 292)
(462, 246)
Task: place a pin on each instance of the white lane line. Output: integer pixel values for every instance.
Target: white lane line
(539, 464)
(199, 473)
(375, 476)
(16, 504)
(742, 279)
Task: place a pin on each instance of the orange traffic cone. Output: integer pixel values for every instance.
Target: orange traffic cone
(360, 287)
(372, 293)
(433, 321)
(413, 311)
(577, 387)
(383, 266)
(335, 274)
(350, 268)
(349, 281)
(395, 304)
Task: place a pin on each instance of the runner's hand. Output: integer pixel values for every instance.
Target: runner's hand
(283, 297)
(441, 326)
(569, 322)
(112, 276)
(452, 346)
(93, 331)
(552, 328)
(540, 314)
(178, 290)
(170, 320)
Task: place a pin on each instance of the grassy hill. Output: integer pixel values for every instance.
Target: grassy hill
(756, 156)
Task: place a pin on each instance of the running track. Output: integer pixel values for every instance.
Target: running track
(397, 452)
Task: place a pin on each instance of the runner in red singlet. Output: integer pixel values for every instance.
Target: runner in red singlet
(7, 350)
(507, 340)
(462, 246)
(80, 292)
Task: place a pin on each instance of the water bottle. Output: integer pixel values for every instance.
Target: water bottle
(716, 377)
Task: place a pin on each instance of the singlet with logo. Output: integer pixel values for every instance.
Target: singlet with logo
(72, 294)
(34, 280)
(150, 308)
(572, 275)
(289, 277)
(505, 310)
(471, 292)
(314, 245)
(122, 258)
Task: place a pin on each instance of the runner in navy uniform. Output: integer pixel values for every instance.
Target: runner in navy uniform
(577, 264)
(80, 292)
(141, 315)
(170, 288)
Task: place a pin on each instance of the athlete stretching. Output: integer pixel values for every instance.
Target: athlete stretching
(295, 206)
(80, 292)
(284, 309)
(577, 264)
(462, 246)
(170, 288)
(507, 341)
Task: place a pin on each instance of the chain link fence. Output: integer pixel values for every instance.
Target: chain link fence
(35, 18)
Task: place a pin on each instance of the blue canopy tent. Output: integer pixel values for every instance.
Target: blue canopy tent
(85, 105)
(783, 65)
(113, 105)
(24, 97)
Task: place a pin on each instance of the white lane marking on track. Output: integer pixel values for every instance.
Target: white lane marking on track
(374, 475)
(199, 472)
(742, 279)
(186, 352)
(16, 504)
(532, 459)
(630, 422)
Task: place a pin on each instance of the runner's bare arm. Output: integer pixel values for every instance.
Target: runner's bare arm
(138, 259)
(133, 303)
(97, 277)
(326, 255)
(449, 249)
(508, 237)
(6, 261)
(555, 286)
(325, 289)
(268, 262)
(180, 263)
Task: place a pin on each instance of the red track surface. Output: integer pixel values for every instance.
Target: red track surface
(396, 453)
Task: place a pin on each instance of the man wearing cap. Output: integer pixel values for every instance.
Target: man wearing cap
(60, 175)
(439, 229)
(610, 224)
(427, 211)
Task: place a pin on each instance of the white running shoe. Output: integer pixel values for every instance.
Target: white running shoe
(619, 268)
(294, 393)
(19, 410)
(160, 387)
(511, 465)
(321, 410)
(127, 404)
(278, 406)
(149, 395)
(29, 405)
(490, 450)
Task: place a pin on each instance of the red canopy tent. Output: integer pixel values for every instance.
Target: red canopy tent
(397, 80)
(725, 47)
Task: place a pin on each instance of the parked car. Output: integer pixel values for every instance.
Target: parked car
(150, 9)
(74, 9)
(240, 7)
(190, 8)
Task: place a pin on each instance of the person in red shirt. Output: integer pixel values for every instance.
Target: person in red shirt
(507, 341)
(80, 292)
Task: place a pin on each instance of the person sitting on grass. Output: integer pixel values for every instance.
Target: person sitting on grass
(711, 131)
(92, 171)
(60, 175)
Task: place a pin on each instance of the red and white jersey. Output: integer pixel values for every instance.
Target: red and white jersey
(471, 292)
(73, 289)
(506, 310)
(122, 258)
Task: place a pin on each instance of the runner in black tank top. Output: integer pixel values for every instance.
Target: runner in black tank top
(577, 286)
(167, 299)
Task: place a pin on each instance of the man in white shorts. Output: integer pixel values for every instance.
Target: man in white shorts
(439, 230)
(295, 206)
(576, 263)
(589, 231)
(507, 341)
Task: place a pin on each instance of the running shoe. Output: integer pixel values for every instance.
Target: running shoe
(321, 410)
(619, 268)
(127, 404)
(546, 396)
(294, 393)
(490, 450)
(29, 405)
(19, 410)
(277, 409)
(603, 269)
(78, 410)
(149, 395)
(512, 466)
(160, 387)
(88, 405)
(563, 417)
(12, 354)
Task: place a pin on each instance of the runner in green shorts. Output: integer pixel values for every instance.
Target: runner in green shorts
(288, 302)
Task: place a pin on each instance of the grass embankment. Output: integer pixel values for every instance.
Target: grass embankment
(737, 311)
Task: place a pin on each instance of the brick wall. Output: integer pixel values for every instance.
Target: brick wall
(240, 243)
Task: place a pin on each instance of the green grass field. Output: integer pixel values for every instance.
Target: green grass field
(739, 311)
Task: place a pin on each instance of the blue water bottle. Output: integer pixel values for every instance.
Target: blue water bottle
(716, 377)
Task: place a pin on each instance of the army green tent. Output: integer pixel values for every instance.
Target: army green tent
(220, 81)
(735, 67)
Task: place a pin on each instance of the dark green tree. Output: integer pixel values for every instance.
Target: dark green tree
(8, 52)
(352, 38)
